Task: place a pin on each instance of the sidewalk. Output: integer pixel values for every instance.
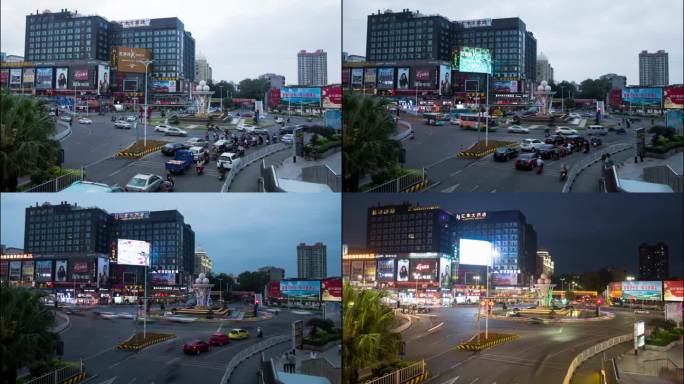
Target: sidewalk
(247, 179)
(331, 354)
(630, 170)
(588, 179)
(293, 171)
(589, 371)
(248, 370)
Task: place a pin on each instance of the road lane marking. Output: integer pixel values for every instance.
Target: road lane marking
(436, 326)
(114, 365)
(475, 187)
(132, 380)
(473, 382)
(452, 381)
(451, 189)
(456, 173)
(493, 191)
(109, 381)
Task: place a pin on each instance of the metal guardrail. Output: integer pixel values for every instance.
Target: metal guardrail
(322, 174)
(591, 159)
(401, 375)
(400, 184)
(251, 351)
(592, 351)
(664, 174)
(59, 375)
(56, 185)
(64, 133)
(249, 159)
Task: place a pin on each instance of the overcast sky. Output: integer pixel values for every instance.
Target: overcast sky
(581, 38)
(241, 39)
(582, 231)
(239, 231)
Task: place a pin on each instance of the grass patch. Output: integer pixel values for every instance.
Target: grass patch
(392, 174)
(662, 337)
(321, 337)
(46, 175)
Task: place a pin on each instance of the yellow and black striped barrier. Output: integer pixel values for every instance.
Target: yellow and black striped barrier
(418, 379)
(137, 155)
(74, 379)
(417, 187)
(477, 155)
(138, 346)
(470, 346)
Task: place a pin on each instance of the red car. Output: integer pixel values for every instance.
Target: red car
(195, 347)
(526, 161)
(219, 339)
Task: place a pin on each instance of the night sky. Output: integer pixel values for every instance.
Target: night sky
(239, 231)
(583, 232)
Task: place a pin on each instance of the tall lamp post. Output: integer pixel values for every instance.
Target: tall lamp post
(221, 88)
(562, 99)
(562, 284)
(146, 63)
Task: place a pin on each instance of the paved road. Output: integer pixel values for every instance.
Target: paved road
(541, 355)
(435, 148)
(93, 339)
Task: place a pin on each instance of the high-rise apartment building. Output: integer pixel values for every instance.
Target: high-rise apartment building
(275, 81)
(616, 81)
(544, 69)
(311, 261)
(274, 273)
(545, 263)
(203, 263)
(312, 68)
(653, 261)
(653, 69)
(202, 69)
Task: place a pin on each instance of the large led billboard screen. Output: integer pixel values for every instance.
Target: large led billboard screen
(357, 77)
(133, 252)
(642, 290)
(386, 78)
(300, 95)
(424, 269)
(305, 290)
(128, 59)
(673, 290)
(475, 252)
(643, 96)
(402, 270)
(385, 270)
(331, 289)
(473, 60)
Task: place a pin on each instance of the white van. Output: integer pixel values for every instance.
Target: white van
(596, 130)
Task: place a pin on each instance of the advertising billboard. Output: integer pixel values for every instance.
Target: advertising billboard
(475, 252)
(332, 96)
(473, 60)
(424, 78)
(274, 290)
(673, 97)
(369, 270)
(370, 78)
(615, 290)
(346, 268)
(615, 98)
(4, 266)
(127, 59)
(29, 77)
(674, 119)
(444, 80)
(14, 270)
(4, 76)
(385, 78)
(62, 76)
(643, 96)
(44, 270)
(331, 289)
(79, 271)
(103, 79)
(80, 78)
(61, 270)
(504, 278)
(27, 271)
(305, 290)
(43, 78)
(510, 86)
(356, 271)
(346, 74)
(357, 77)
(642, 290)
(403, 78)
(130, 85)
(444, 272)
(301, 95)
(673, 290)
(164, 86)
(132, 252)
(424, 269)
(402, 270)
(385, 270)
(163, 278)
(15, 77)
(102, 272)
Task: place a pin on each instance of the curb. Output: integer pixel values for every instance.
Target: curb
(137, 155)
(136, 347)
(66, 325)
(418, 379)
(468, 346)
(478, 155)
(74, 379)
(416, 187)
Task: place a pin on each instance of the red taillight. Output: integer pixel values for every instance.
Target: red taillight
(125, 189)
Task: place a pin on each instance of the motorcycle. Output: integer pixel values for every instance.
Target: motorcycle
(222, 174)
(563, 175)
(260, 333)
(199, 168)
(539, 169)
(413, 135)
(168, 186)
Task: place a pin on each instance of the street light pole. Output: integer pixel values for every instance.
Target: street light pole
(145, 307)
(146, 63)
(221, 88)
(562, 99)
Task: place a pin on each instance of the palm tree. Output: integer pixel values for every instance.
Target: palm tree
(26, 146)
(25, 325)
(367, 147)
(367, 338)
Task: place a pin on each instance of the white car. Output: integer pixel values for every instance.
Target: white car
(84, 120)
(196, 152)
(52, 113)
(66, 118)
(226, 160)
(162, 127)
(131, 118)
(530, 145)
(566, 131)
(287, 138)
(279, 120)
(518, 129)
(173, 131)
(575, 115)
(454, 122)
(122, 125)
(144, 183)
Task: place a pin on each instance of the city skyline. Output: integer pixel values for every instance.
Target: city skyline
(651, 26)
(265, 239)
(249, 42)
(588, 218)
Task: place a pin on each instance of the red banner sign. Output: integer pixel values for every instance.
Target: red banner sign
(673, 290)
(332, 96)
(331, 289)
(673, 97)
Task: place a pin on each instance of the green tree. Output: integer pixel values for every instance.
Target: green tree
(252, 281)
(367, 147)
(26, 335)
(325, 324)
(223, 282)
(26, 146)
(367, 338)
(253, 88)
